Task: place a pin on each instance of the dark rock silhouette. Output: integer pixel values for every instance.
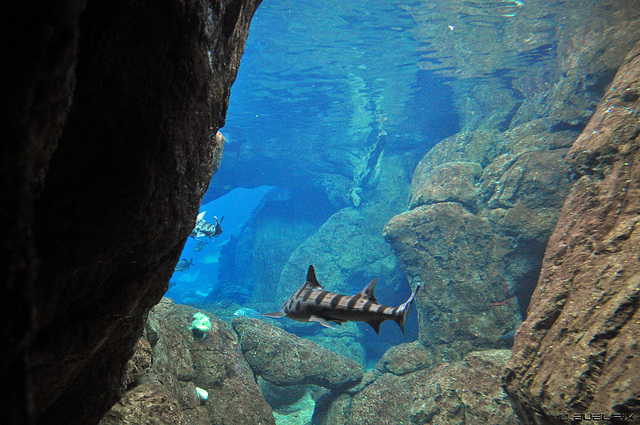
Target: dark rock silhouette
(109, 140)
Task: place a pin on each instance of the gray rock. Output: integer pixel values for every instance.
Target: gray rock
(466, 391)
(474, 233)
(406, 358)
(163, 379)
(285, 359)
(450, 182)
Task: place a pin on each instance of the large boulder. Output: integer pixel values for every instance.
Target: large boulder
(284, 359)
(577, 350)
(482, 206)
(110, 141)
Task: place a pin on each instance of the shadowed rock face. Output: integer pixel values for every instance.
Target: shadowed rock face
(577, 350)
(112, 112)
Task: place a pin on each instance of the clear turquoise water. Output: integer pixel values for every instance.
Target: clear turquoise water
(315, 79)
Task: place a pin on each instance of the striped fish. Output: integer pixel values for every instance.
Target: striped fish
(204, 228)
(311, 303)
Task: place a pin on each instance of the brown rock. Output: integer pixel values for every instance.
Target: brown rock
(111, 115)
(466, 392)
(577, 350)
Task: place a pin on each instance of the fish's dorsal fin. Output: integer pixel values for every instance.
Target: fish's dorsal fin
(367, 292)
(201, 215)
(312, 280)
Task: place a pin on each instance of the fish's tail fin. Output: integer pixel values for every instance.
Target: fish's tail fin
(403, 310)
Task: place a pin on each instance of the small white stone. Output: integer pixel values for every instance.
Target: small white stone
(203, 395)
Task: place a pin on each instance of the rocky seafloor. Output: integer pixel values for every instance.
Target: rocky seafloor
(255, 372)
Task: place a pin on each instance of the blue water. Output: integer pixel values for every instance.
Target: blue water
(235, 209)
(324, 78)
(312, 82)
(329, 94)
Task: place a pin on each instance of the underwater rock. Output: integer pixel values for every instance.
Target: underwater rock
(285, 359)
(111, 141)
(577, 350)
(483, 204)
(455, 267)
(346, 340)
(178, 370)
(281, 396)
(510, 63)
(524, 191)
(336, 250)
(450, 182)
(260, 252)
(466, 391)
(406, 358)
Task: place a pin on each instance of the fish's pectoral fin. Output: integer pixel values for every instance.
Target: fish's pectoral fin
(322, 321)
(275, 314)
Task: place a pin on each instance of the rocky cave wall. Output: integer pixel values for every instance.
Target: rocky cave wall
(577, 351)
(110, 116)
